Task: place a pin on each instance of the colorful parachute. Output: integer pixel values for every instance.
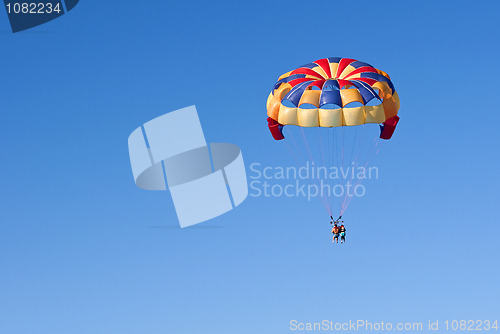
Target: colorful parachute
(329, 101)
(333, 82)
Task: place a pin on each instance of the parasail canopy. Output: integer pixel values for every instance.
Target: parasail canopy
(333, 92)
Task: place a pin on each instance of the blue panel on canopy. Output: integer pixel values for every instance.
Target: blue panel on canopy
(288, 79)
(358, 64)
(367, 93)
(378, 77)
(330, 97)
(334, 59)
(331, 85)
(296, 93)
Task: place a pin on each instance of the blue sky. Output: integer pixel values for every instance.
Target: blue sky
(83, 250)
